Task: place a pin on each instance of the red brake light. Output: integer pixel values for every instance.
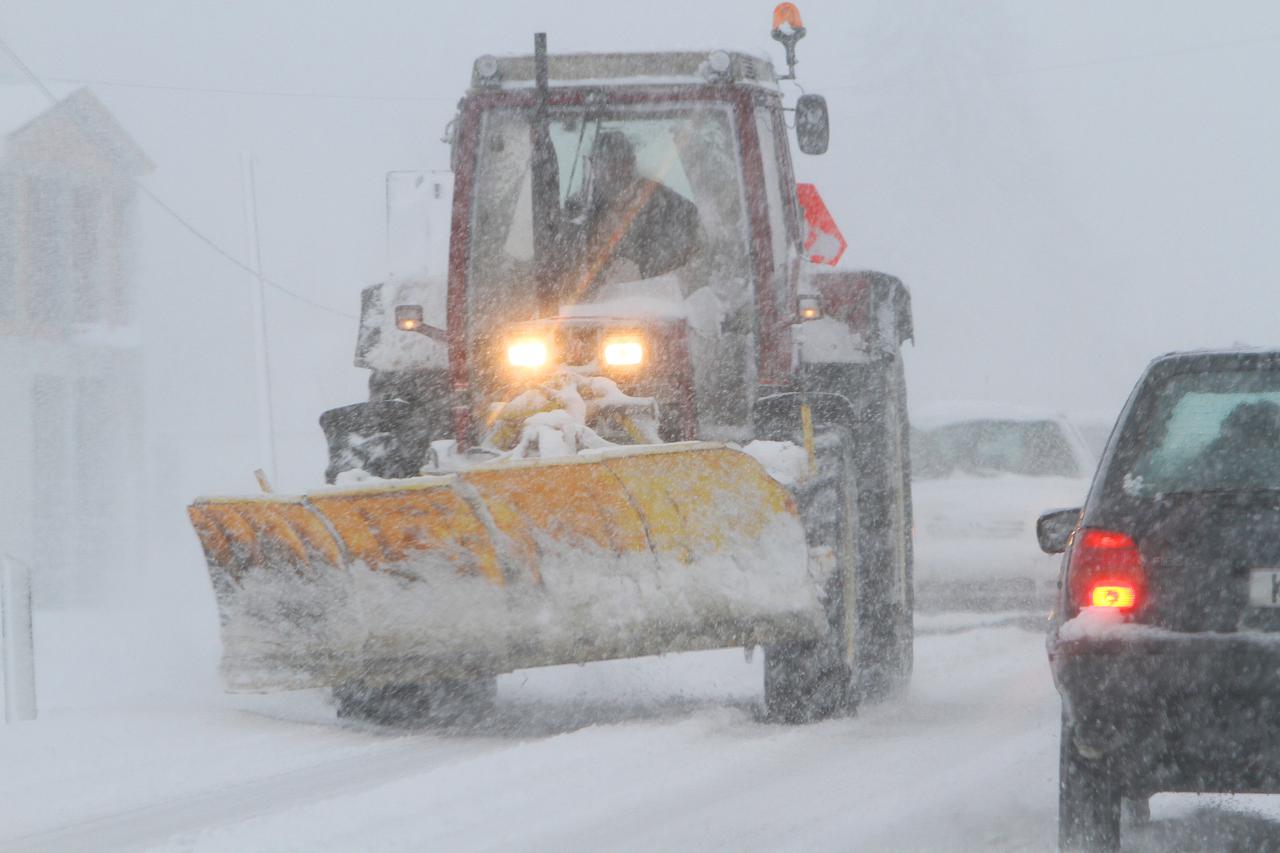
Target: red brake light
(1105, 570)
(1106, 539)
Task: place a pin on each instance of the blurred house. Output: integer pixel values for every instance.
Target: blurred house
(71, 371)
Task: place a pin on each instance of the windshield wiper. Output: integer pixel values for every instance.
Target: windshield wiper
(577, 151)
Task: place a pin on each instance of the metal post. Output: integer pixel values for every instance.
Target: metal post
(19, 662)
(266, 434)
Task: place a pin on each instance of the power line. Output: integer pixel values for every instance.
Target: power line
(175, 215)
(181, 220)
(266, 93)
(31, 77)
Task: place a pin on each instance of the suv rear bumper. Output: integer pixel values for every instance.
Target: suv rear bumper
(1175, 712)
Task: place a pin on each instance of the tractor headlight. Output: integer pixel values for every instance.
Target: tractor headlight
(623, 352)
(528, 352)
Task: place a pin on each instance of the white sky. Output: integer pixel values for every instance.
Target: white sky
(1069, 188)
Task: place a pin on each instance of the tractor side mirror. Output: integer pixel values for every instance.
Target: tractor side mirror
(813, 127)
(409, 317)
(1054, 529)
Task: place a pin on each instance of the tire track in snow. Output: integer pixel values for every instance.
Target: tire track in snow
(965, 761)
(713, 778)
(138, 828)
(861, 783)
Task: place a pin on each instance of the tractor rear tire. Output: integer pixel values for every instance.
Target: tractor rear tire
(881, 439)
(812, 681)
(879, 432)
(438, 703)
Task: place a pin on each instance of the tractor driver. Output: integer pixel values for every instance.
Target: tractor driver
(629, 218)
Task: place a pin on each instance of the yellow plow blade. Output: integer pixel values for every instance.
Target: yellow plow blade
(620, 553)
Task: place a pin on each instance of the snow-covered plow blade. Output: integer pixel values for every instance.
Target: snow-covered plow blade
(619, 553)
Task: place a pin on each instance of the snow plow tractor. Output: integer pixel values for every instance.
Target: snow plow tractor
(636, 418)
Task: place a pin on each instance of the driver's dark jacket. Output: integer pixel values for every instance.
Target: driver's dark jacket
(648, 224)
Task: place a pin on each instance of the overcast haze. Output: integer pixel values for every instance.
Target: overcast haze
(1068, 188)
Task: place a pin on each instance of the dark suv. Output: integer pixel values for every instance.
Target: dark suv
(1165, 642)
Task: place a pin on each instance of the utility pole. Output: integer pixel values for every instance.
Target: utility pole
(266, 433)
(19, 661)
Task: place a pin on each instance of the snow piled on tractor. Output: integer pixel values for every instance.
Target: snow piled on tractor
(551, 421)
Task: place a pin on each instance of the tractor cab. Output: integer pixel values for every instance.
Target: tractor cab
(645, 199)
(632, 217)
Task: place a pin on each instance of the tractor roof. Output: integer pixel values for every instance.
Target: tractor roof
(626, 69)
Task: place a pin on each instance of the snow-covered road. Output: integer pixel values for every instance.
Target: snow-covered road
(659, 754)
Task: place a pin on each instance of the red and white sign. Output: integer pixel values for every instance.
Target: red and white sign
(822, 238)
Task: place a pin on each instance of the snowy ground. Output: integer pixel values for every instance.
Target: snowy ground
(657, 754)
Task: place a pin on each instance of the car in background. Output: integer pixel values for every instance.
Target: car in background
(980, 474)
(1165, 643)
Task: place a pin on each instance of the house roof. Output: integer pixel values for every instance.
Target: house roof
(29, 124)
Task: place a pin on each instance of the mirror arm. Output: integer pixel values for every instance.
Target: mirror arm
(432, 332)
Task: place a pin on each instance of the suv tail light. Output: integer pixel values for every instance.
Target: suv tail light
(1105, 570)
(1113, 595)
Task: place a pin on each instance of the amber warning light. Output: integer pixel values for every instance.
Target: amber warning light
(786, 18)
(788, 29)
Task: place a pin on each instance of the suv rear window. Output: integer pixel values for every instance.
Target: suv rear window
(1212, 431)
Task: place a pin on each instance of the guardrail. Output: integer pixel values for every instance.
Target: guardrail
(18, 659)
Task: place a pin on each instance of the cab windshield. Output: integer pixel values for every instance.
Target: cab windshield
(651, 207)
